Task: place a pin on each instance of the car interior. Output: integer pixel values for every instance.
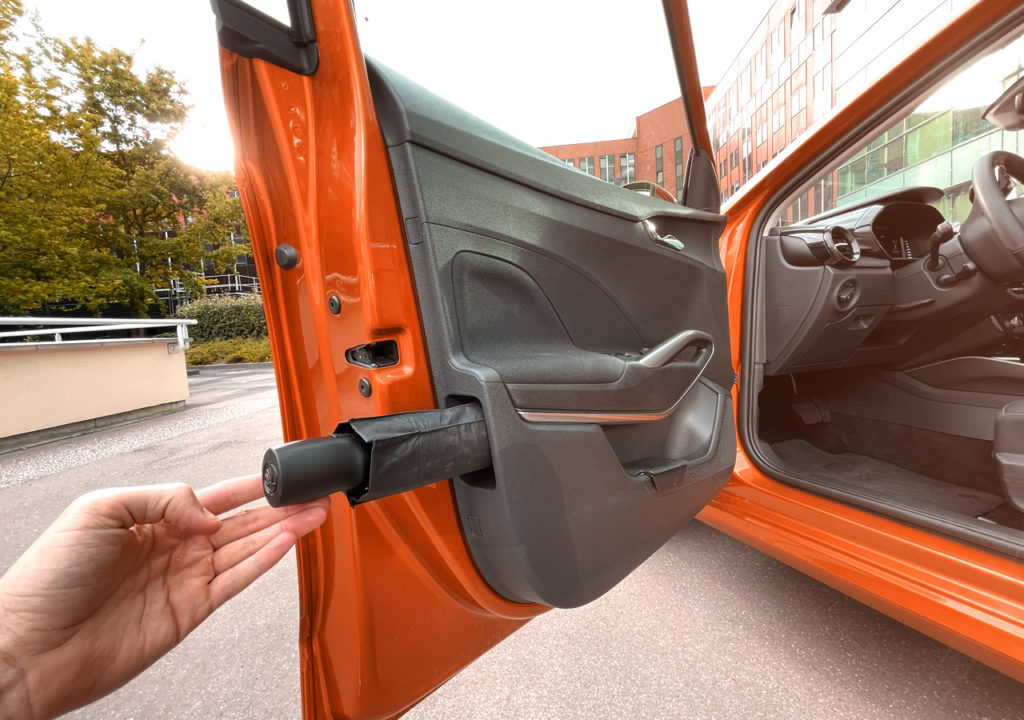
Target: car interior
(887, 333)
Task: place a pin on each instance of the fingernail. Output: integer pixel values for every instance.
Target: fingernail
(210, 515)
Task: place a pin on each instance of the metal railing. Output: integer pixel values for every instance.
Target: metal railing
(235, 284)
(58, 327)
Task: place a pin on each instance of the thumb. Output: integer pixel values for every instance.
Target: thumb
(173, 503)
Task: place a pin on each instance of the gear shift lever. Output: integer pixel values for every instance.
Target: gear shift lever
(942, 233)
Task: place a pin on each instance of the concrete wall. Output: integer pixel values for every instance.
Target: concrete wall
(49, 385)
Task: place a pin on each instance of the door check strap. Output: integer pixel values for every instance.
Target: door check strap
(371, 458)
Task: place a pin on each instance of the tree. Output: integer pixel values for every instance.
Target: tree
(94, 208)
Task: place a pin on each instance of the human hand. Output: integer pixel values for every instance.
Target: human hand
(121, 577)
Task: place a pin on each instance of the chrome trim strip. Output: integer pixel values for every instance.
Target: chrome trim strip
(606, 418)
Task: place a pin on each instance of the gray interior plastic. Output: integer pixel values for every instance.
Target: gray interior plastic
(876, 310)
(953, 405)
(1008, 449)
(539, 288)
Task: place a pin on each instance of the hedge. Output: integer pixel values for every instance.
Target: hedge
(238, 350)
(225, 317)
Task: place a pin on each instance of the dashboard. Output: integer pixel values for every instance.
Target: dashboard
(895, 227)
(902, 229)
(853, 286)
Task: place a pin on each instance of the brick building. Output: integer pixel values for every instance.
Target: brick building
(657, 150)
(802, 59)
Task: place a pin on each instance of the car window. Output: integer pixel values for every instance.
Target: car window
(935, 143)
(591, 82)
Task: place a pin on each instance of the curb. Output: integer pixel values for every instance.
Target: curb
(84, 427)
(199, 369)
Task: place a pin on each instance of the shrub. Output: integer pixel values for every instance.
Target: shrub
(236, 350)
(224, 317)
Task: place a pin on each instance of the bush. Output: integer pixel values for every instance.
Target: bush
(236, 350)
(225, 317)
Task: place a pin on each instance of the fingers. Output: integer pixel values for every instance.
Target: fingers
(173, 503)
(239, 563)
(295, 524)
(252, 521)
(230, 494)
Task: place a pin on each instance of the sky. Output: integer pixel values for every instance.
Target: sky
(592, 69)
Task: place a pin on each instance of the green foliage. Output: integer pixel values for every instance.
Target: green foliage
(237, 350)
(225, 318)
(95, 208)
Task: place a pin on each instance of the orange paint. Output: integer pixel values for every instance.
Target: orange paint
(391, 602)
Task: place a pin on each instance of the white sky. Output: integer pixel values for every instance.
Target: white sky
(499, 72)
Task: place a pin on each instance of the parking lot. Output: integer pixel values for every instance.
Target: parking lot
(707, 628)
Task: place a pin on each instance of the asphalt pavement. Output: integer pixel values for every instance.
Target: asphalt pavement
(707, 628)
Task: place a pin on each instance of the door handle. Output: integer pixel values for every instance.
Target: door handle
(649, 388)
(665, 352)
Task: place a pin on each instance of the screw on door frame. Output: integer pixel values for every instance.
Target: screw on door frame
(334, 304)
(365, 389)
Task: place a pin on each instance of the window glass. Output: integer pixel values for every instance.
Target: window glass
(607, 166)
(506, 65)
(928, 139)
(934, 144)
(627, 168)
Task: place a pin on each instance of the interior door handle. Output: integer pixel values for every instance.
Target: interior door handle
(666, 351)
(649, 388)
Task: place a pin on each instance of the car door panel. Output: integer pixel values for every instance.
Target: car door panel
(540, 289)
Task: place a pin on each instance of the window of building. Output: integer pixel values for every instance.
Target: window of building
(823, 91)
(734, 158)
(762, 134)
(778, 45)
(569, 161)
(798, 19)
(607, 167)
(799, 100)
(927, 140)
(587, 164)
(722, 168)
(659, 169)
(679, 164)
(779, 118)
(748, 159)
(627, 167)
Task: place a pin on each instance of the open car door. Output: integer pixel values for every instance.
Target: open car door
(565, 341)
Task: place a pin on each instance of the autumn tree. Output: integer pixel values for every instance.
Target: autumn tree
(94, 208)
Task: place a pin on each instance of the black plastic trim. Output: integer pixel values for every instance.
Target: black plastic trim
(409, 113)
(244, 30)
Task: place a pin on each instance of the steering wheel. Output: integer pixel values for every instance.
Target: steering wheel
(993, 233)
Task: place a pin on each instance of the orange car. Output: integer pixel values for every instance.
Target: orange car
(580, 359)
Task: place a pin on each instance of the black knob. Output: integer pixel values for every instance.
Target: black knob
(305, 470)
